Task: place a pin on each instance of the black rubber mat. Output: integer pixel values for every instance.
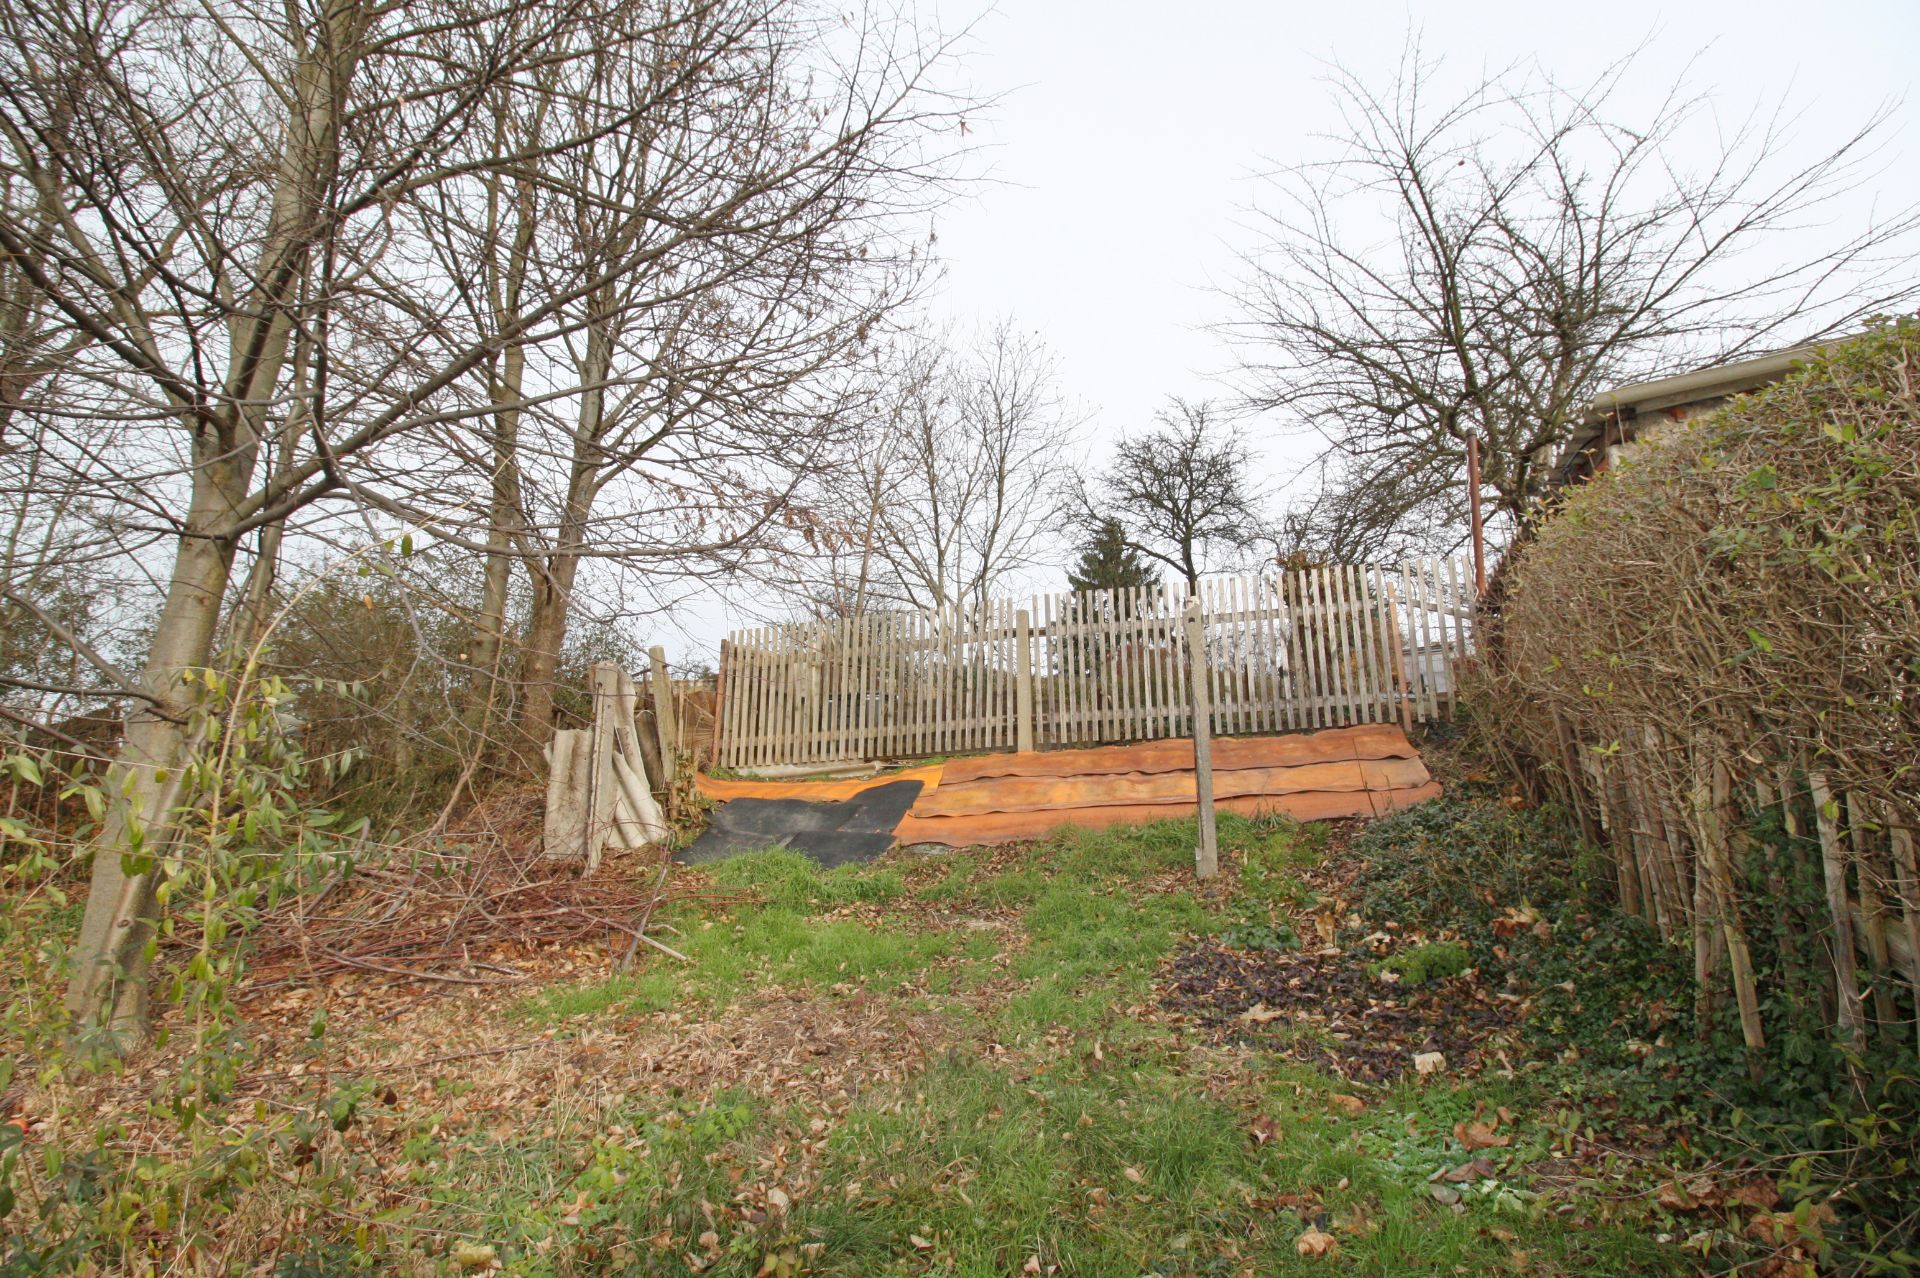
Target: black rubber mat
(858, 829)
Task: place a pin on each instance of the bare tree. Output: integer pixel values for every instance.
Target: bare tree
(1484, 263)
(948, 489)
(666, 432)
(225, 312)
(1348, 511)
(1180, 492)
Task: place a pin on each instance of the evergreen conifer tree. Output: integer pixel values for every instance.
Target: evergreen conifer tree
(1107, 562)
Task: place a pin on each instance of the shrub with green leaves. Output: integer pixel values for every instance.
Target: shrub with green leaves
(1437, 961)
(1460, 862)
(1736, 604)
(146, 1195)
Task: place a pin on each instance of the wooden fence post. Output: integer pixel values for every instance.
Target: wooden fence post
(1023, 686)
(1206, 856)
(1569, 756)
(664, 721)
(1833, 858)
(1901, 842)
(1712, 797)
(720, 704)
(1873, 913)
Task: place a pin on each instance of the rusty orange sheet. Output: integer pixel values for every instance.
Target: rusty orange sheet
(1012, 827)
(813, 791)
(1230, 754)
(1123, 789)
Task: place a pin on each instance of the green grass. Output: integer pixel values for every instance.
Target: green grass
(790, 881)
(1051, 1122)
(1118, 1167)
(780, 940)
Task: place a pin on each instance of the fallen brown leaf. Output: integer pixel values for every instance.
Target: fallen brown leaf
(1759, 1193)
(1465, 1173)
(1480, 1136)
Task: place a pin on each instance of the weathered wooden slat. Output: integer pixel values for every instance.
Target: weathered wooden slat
(1329, 647)
(1323, 633)
(843, 719)
(1428, 621)
(1354, 629)
(1348, 650)
(740, 693)
(1441, 616)
(1074, 662)
(1276, 655)
(1379, 681)
(757, 711)
(1236, 651)
(1308, 650)
(1375, 618)
(1045, 668)
(1415, 643)
(777, 674)
(780, 739)
(1460, 624)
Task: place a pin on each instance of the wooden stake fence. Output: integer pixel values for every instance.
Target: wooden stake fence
(1678, 860)
(1313, 648)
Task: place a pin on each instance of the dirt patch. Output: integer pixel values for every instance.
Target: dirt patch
(1327, 1010)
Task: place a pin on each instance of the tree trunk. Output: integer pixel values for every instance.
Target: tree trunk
(546, 635)
(254, 614)
(489, 646)
(553, 585)
(109, 984)
(108, 989)
(504, 510)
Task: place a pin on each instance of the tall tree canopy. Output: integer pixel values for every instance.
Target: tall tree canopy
(1181, 492)
(547, 280)
(945, 490)
(1483, 261)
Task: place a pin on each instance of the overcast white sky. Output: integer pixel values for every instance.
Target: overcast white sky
(1121, 155)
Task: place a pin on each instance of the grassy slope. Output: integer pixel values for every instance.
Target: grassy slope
(1053, 1122)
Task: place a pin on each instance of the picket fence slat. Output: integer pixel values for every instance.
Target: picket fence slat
(1304, 648)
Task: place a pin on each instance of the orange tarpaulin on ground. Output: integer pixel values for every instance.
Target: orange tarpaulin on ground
(1364, 741)
(1011, 827)
(1122, 789)
(1365, 770)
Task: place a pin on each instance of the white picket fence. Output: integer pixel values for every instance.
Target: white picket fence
(1312, 648)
